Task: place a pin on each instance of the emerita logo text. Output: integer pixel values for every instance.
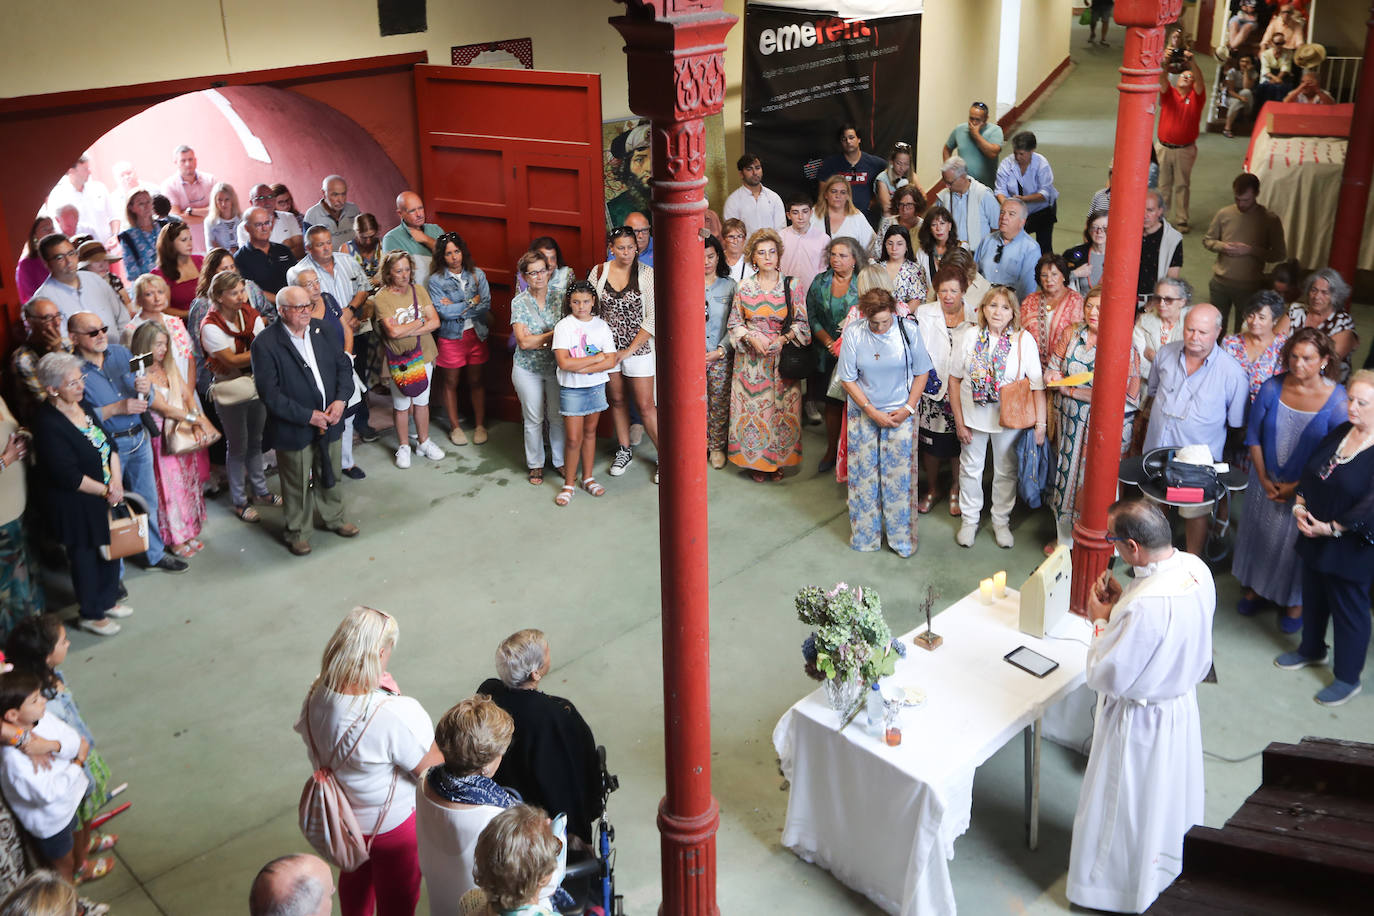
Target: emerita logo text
(806, 34)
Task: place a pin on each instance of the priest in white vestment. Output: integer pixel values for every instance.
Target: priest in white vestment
(1151, 645)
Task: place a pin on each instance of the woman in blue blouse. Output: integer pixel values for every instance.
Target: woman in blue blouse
(883, 366)
(463, 300)
(1291, 414)
(139, 241)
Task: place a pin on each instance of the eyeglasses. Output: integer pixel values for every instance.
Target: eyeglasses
(537, 273)
(997, 258)
(622, 232)
(93, 333)
(1112, 538)
(62, 255)
(296, 308)
(980, 105)
(645, 231)
(261, 225)
(75, 382)
(902, 145)
(48, 319)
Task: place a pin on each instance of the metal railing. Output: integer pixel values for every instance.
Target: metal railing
(1340, 76)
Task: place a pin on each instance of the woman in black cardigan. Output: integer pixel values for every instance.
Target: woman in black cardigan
(1335, 515)
(79, 467)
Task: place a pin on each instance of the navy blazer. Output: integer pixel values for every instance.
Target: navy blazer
(287, 386)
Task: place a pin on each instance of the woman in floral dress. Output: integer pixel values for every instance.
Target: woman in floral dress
(1076, 352)
(765, 409)
(1053, 308)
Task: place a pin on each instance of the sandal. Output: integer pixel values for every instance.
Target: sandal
(101, 842)
(247, 513)
(196, 544)
(759, 476)
(564, 496)
(95, 869)
(777, 476)
(954, 503)
(1227, 133)
(591, 486)
(924, 504)
(536, 477)
(267, 499)
(185, 551)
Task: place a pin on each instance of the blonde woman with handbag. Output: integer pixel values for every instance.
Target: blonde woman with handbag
(181, 465)
(378, 745)
(1001, 391)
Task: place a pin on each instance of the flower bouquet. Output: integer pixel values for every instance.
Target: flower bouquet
(851, 645)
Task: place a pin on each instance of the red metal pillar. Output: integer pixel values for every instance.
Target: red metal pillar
(1135, 121)
(677, 77)
(1349, 228)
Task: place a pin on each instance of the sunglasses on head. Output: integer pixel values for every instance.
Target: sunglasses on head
(622, 232)
(982, 106)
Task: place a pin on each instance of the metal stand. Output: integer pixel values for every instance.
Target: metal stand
(1032, 742)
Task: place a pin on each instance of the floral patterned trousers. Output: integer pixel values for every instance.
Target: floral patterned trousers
(882, 483)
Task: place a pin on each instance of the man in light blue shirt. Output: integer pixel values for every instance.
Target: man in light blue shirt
(1008, 256)
(978, 142)
(1196, 391)
(1026, 175)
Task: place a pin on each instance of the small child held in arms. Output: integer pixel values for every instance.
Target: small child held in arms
(44, 800)
(584, 347)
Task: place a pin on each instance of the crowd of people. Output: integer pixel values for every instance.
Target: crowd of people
(178, 347)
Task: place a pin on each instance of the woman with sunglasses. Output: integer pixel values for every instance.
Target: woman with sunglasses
(533, 371)
(1086, 261)
(462, 298)
(1335, 516)
(897, 175)
(1290, 416)
(625, 293)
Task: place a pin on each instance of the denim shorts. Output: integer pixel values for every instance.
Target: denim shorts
(578, 402)
(54, 847)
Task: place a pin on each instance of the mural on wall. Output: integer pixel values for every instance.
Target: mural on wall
(627, 166)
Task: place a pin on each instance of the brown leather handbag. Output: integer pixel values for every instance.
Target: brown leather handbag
(1015, 401)
(128, 534)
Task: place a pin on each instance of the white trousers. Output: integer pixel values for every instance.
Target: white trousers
(538, 402)
(971, 459)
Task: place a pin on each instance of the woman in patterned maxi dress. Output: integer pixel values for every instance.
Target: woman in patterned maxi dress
(765, 409)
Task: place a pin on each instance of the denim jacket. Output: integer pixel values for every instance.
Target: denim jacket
(459, 290)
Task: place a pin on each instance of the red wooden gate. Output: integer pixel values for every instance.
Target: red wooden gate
(507, 156)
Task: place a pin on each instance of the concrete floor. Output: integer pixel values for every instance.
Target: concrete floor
(193, 704)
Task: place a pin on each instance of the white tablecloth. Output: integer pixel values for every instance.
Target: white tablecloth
(884, 819)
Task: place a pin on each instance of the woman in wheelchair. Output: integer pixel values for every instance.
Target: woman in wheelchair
(552, 760)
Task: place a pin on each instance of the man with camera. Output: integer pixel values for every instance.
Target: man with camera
(1180, 118)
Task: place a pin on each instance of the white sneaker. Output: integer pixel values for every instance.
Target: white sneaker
(1002, 534)
(120, 610)
(403, 457)
(965, 536)
(102, 627)
(430, 450)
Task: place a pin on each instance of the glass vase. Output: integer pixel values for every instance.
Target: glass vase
(843, 693)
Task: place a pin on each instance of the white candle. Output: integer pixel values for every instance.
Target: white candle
(985, 589)
(999, 582)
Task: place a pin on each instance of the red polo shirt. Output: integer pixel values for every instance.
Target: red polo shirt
(1179, 116)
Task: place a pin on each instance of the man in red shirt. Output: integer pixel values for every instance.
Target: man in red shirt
(1180, 113)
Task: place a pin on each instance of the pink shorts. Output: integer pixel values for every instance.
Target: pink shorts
(467, 350)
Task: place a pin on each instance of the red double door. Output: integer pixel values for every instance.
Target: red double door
(507, 156)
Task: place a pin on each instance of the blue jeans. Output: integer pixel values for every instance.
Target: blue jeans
(136, 463)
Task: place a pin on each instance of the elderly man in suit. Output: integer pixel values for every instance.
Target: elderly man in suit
(305, 381)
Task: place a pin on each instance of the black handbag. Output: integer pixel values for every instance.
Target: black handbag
(795, 362)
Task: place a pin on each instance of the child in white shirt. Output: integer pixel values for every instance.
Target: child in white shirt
(44, 800)
(584, 347)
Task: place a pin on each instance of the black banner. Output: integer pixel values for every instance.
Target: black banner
(806, 73)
